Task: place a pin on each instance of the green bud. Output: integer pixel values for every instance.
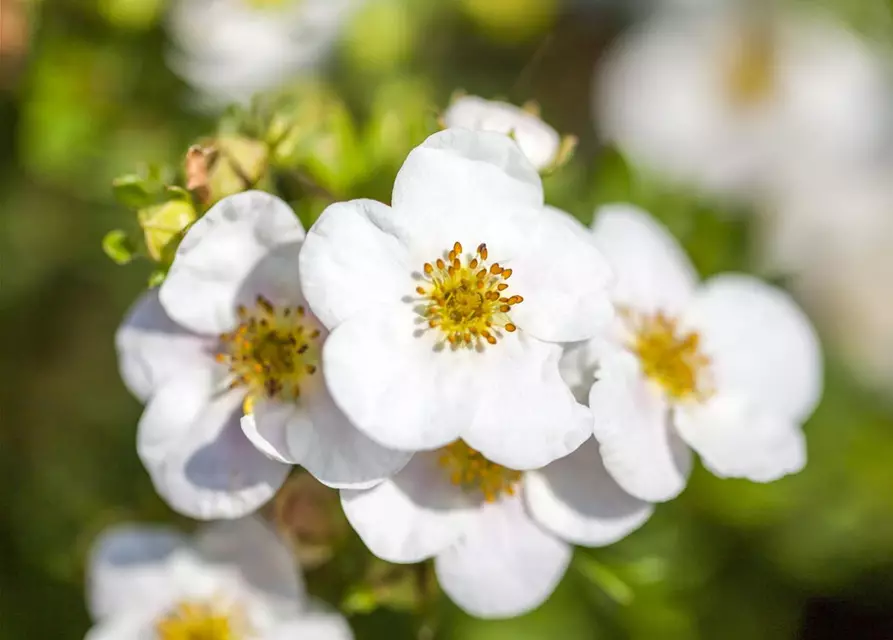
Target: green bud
(234, 164)
(402, 117)
(163, 226)
(311, 130)
(118, 246)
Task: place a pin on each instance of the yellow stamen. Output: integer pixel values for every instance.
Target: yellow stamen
(197, 621)
(270, 352)
(474, 473)
(669, 357)
(751, 72)
(463, 298)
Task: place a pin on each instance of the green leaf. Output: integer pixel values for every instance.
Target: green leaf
(132, 191)
(600, 575)
(118, 246)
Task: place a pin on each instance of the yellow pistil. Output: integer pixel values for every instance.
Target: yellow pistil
(750, 76)
(466, 298)
(473, 472)
(196, 621)
(669, 357)
(271, 352)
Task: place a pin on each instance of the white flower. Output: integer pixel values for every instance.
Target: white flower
(230, 50)
(446, 307)
(727, 100)
(730, 367)
(539, 142)
(234, 580)
(499, 538)
(232, 335)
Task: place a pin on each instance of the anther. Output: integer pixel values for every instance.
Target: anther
(457, 248)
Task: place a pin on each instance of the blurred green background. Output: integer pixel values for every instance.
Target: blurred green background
(86, 96)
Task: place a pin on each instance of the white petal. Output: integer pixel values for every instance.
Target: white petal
(127, 564)
(468, 187)
(260, 557)
(526, 415)
(269, 435)
(218, 255)
(579, 366)
(564, 281)
(537, 140)
(457, 168)
(566, 219)
(411, 517)
(393, 385)
(334, 451)
(316, 626)
(762, 345)
(152, 347)
(653, 273)
(354, 259)
(739, 440)
(135, 624)
(201, 463)
(318, 436)
(505, 565)
(639, 448)
(577, 500)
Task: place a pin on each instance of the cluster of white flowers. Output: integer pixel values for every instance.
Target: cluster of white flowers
(229, 50)
(486, 381)
(737, 97)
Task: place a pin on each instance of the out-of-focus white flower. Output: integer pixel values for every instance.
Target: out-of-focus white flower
(228, 339)
(229, 50)
(730, 368)
(234, 580)
(727, 100)
(831, 236)
(499, 537)
(447, 308)
(540, 143)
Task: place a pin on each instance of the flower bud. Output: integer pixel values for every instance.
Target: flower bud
(163, 225)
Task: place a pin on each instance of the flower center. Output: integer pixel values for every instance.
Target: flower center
(196, 621)
(473, 472)
(750, 75)
(466, 299)
(669, 357)
(271, 352)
